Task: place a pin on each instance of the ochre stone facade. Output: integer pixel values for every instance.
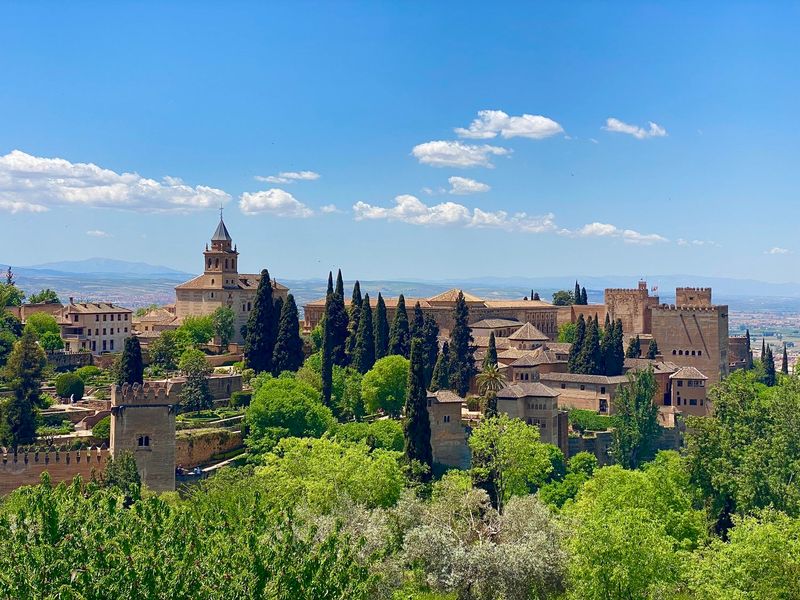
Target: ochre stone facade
(448, 435)
(26, 467)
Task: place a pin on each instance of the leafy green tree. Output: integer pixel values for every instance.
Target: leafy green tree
(430, 347)
(381, 329)
(384, 387)
(143, 310)
(490, 381)
(121, 473)
(573, 363)
(223, 319)
(166, 349)
(364, 350)
(260, 340)
(634, 348)
(590, 359)
(354, 319)
(563, 298)
(652, 349)
(440, 379)
(102, 430)
(7, 340)
(490, 358)
(195, 393)
(198, 330)
(462, 352)
(69, 385)
(42, 323)
(51, 342)
(567, 333)
(131, 365)
(508, 459)
(386, 434)
(288, 353)
(637, 420)
(44, 296)
(400, 336)
(416, 424)
(10, 323)
(285, 407)
(535, 296)
(24, 371)
(10, 295)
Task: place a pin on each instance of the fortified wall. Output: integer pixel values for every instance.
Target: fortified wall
(26, 465)
(143, 423)
(632, 307)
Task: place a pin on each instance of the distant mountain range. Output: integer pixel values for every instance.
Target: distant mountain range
(103, 266)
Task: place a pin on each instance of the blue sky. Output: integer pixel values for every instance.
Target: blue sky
(181, 106)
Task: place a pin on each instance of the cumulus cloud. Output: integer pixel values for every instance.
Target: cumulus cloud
(776, 250)
(617, 126)
(455, 154)
(683, 242)
(275, 201)
(98, 233)
(491, 123)
(629, 236)
(34, 184)
(409, 209)
(463, 185)
(329, 208)
(289, 177)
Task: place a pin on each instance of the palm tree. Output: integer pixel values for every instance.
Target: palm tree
(491, 381)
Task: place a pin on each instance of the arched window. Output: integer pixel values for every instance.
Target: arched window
(143, 441)
(216, 263)
(209, 263)
(226, 263)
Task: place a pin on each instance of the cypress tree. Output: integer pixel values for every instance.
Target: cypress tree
(131, 366)
(532, 294)
(584, 297)
(634, 348)
(288, 354)
(607, 324)
(491, 352)
(462, 352)
(748, 351)
(652, 349)
(354, 315)
(536, 296)
(417, 425)
(327, 352)
(785, 365)
(763, 349)
(260, 340)
(24, 368)
(575, 349)
(589, 359)
(330, 284)
(417, 323)
(606, 348)
(616, 365)
(364, 355)
(339, 285)
(441, 372)
(577, 294)
(381, 329)
(337, 319)
(399, 337)
(770, 376)
(430, 336)
(276, 313)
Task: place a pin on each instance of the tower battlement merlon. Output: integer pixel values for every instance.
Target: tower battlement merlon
(150, 393)
(692, 307)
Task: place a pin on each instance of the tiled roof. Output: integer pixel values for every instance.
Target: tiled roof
(659, 366)
(221, 234)
(452, 296)
(522, 390)
(519, 304)
(528, 333)
(560, 347)
(495, 323)
(513, 354)
(157, 315)
(482, 341)
(94, 307)
(580, 378)
(687, 373)
(446, 396)
(243, 281)
(537, 357)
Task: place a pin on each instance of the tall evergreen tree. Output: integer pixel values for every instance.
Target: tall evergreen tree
(330, 284)
(440, 379)
(785, 364)
(327, 351)
(399, 336)
(607, 324)
(584, 297)
(381, 329)
(491, 352)
(536, 296)
(260, 340)
(336, 318)
(532, 294)
(364, 351)
(652, 349)
(277, 309)
(417, 425)
(634, 348)
(288, 353)
(748, 351)
(430, 337)
(24, 370)
(577, 293)
(763, 349)
(417, 322)
(615, 360)
(770, 377)
(462, 352)
(589, 359)
(131, 366)
(354, 318)
(575, 349)
(339, 285)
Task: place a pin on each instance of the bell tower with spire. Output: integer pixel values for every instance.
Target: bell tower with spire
(220, 260)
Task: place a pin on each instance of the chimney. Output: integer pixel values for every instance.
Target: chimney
(71, 300)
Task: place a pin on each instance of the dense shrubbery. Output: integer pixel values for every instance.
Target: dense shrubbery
(70, 385)
(589, 420)
(102, 429)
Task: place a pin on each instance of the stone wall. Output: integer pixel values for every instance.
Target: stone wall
(63, 361)
(26, 468)
(196, 447)
(632, 307)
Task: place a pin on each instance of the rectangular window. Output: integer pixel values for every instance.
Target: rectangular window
(563, 386)
(104, 317)
(680, 384)
(693, 402)
(104, 332)
(112, 316)
(583, 387)
(97, 317)
(112, 344)
(602, 389)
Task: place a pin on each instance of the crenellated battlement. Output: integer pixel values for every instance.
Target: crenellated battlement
(45, 455)
(695, 289)
(151, 392)
(25, 465)
(632, 291)
(689, 307)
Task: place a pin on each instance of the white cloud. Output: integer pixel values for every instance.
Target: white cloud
(409, 209)
(455, 154)
(463, 185)
(34, 184)
(274, 201)
(629, 236)
(776, 250)
(98, 233)
(289, 177)
(329, 208)
(683, 242)
(490, 123)
(617, 126)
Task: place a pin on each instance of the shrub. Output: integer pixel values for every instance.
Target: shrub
(102, 429)
(68, 385)
(385, 433)
(588, 420)
(240, 399)
(88, 372)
